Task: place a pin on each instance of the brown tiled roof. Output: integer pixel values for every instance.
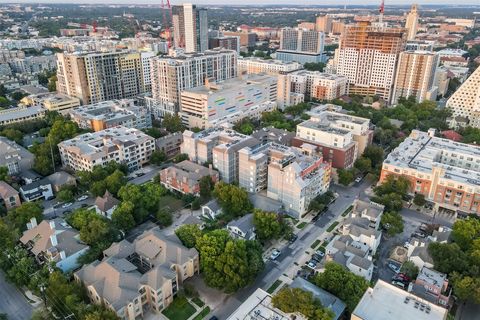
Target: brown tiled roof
(107, 202)
(6, 191)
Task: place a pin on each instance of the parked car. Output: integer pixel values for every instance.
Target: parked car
(401, 277)
(358, 179)
(394, 267)
(406, 245)
(418, 234)
(84, 205)
(312, 264)
(317, 257)
(399, 284)
(84, 197)
(293, 238)
(320, 253)
(213, 318)
(66, 205)
(275, 254)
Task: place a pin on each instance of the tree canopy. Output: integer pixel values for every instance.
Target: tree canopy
(233, 199)
(292, 300)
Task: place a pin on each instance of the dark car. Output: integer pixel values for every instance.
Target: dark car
(214, 318)
(293, 238)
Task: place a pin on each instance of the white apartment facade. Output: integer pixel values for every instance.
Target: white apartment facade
(272, 67)
(465, 102)
(118, 144)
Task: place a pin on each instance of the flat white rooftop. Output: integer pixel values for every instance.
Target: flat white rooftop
(386, 301)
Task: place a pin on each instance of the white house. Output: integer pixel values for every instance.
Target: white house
(106, 205)
(242, 228)
(211, 209)
(37, 190)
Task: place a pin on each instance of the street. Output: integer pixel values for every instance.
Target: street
(12, 302)
(293, 252)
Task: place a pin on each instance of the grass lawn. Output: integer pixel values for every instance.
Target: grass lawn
(274, 286)
(170, 202)
(301, 225)
(332, 226)
(180, 309)
(202, 313)
(347, 211)
(315, 244)
(198, 302)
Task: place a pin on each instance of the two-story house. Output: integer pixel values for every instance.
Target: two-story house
(242, 228)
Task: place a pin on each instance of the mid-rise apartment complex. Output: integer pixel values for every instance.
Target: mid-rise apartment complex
(96, 77)
(52, 101)
(416, 76)
(444, 171)
(113, 113)
(136, 278)
(298, 86)
(119, 144)
(340, 137)
(225, 42)
(190, 27)
(367, 56)
(271, 67)
(293, 176)
(218, 146)
(412, 23)
(172, 75)
(247, 39)
(465, 102)
(229, 101)
(300, 45)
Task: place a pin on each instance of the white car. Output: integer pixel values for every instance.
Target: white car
(358, 179)
(320, 253)
(66, 205)
(312, 264)
(84, 197)
(275, 254)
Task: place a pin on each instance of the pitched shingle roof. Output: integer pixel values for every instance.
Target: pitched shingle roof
(107, 202)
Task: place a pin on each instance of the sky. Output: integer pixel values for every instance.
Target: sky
(256, 2)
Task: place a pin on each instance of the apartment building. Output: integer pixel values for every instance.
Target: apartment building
(54, 241)
(225, 42)
(298, 86)
(172, 75)
(52, 101)
(190, 27)
(323, 24)
(415, 76)
(185, 177)
(122, 145)
(465, 102)
(21, 114)
(146, 56)
(411, 23)
(112, 113)
(228, 101)
(445, 172)
(134, 279)
(170, 144)
(100, 76)
(300, 45)
(247, 39)
(367, 56)
(272, 67)
(340, 137)
(293, 176)
(218, 146)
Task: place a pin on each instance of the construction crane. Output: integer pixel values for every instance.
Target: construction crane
(381, 10)
(166, 6)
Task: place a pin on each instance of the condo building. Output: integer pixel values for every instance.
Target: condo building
(218, 146)
(367, 56)
(190, 27)
(412, 23)
(271, 67)
(465, 102)
(293, 176)
(445, 172)
(228, 101)
(172, 75)
(113, 113)
(299, 86)
(416, 76)
(339, 137)
(137, 279)
(300, 45)
(119, 144)
(96, 77)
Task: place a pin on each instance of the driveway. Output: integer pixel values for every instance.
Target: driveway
(12, 302)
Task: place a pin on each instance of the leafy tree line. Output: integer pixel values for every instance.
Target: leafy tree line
(226, 263)
(293, 300)
(370, 162)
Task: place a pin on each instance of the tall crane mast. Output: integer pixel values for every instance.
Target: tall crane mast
(166, 6)
(381, 10)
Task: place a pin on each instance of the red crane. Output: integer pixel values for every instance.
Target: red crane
(94, 26)
(165, 21)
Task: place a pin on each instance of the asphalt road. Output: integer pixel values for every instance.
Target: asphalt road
(292, 252)
(12, 302)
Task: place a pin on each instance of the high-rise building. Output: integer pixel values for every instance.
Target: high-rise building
(190, 27)
(247, 39)
(465, 101)
(338, 27)
(412, 23)
(229, 43)
(416, 76)
(300, 45)
(323, 24)
(171, 75)
(367, 56)
(96, 77)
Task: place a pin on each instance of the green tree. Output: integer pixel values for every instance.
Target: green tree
(4, 176)
(206, 187)
(8, 236)
(98, 188)
(345, 176)
(122, 216)
(164, 217)
(18, 95)
(172, 123)
(158, 157)
(63, 296)
(292, 300)
(188, 234)
(20, 216)
(342, 283)
(101, 313)
(314, 66)
(52, 83)
(392, 222)
(65, 195)
(13, 134)
(448, 257)
(267, 225)
(115, 181)
(180, 157)
(233, 200)
(375, 154)
(95, 231)
(363, 164)
(410, 269)
(466, 288)
(392, 201)
(419, 199)
(18, 265)
(465, 231)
